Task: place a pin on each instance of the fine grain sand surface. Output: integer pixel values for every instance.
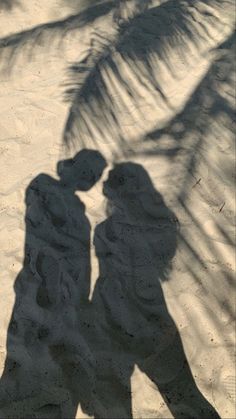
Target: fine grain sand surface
(149, 85)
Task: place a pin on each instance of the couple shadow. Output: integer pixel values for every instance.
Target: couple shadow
(93, 345)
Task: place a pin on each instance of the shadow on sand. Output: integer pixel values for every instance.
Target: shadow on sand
(63, 349)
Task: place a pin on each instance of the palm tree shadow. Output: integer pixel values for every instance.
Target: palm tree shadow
(44, 348)
(110, 80)
(135, 246)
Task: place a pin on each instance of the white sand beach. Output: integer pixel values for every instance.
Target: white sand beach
(150, 83)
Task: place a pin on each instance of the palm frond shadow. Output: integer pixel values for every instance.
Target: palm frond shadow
(117, 74)
(211, 100)
(9, 4)
(25, 42)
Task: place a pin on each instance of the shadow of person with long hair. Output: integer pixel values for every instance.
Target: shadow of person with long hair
(135, 246)
(52, 291)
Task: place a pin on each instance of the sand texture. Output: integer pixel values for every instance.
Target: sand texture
(117, 209)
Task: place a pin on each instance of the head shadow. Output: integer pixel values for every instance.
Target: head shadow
(82, 171)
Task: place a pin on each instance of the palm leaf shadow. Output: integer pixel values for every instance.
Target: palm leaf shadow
(25, 42)
(9, 4)
(100, 88)
(206, 105)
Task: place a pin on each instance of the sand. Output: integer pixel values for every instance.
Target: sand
(158, 92)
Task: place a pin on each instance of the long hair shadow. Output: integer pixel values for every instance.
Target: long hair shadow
(135, 246)
(48, 361)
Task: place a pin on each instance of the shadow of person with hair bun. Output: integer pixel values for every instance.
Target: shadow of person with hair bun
(45, 351)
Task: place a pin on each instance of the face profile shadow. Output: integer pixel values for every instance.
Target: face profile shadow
(135, 246)
(51, 291)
